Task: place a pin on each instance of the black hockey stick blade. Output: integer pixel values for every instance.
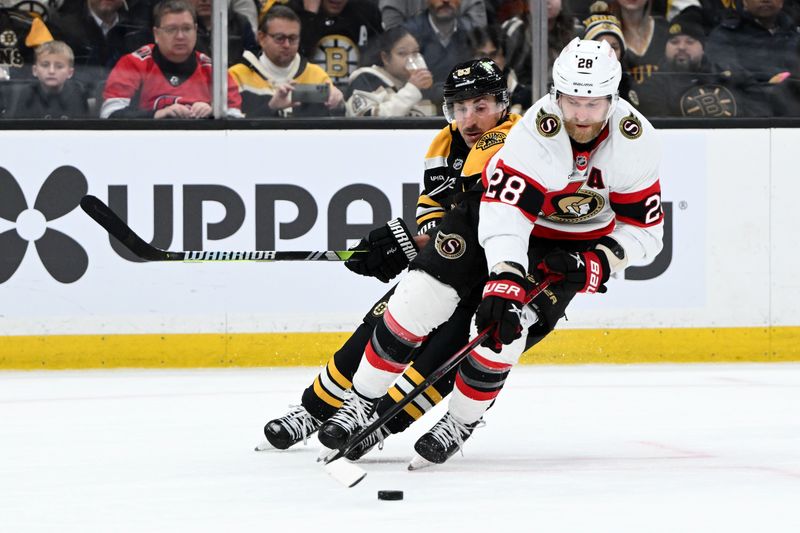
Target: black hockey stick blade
(114, 225)
(435, 376)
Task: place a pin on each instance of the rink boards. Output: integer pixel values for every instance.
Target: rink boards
(724, 288)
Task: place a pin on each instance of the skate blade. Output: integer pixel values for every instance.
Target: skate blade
(345, 472)
(264, 446)
(418, 463)
(326, 454)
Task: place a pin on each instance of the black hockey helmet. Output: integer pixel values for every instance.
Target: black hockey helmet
(475, 78)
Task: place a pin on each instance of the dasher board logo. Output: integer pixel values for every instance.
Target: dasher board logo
(630, 127)
(547, 124)
(489, 139)
(450, 245)
(577, 206)
(60, 194)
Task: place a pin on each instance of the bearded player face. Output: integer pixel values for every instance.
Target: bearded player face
(584, 116)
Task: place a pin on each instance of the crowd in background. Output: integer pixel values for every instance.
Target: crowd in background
(383, 58)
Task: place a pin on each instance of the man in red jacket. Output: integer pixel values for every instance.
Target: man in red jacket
(168, 79)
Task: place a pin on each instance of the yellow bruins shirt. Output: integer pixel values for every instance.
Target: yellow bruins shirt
(452, 168)
(257, 89)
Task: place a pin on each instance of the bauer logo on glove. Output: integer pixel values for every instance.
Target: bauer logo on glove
(385, 252)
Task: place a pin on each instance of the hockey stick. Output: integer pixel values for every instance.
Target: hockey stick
(103, 215)
(349, 474)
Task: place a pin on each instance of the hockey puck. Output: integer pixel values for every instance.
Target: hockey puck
(390, 494)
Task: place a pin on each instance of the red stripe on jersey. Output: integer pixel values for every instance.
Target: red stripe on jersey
(378, 362)
(636, 196)
(475, 394)
(399, 331)
(549, 233)
(494, 365)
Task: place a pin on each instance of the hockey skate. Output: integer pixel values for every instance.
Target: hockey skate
(441, 442)
(288, 430)
(356, 413)
(362, 448)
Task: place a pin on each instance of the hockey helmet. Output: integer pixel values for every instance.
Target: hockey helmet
(588, 69)
(472, 79)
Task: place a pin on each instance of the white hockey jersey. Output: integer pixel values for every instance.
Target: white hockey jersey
(538, 183)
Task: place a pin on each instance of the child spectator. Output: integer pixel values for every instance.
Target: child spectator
(54, 94)
(394, 87)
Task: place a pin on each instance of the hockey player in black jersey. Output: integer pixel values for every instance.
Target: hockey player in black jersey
(453, 165)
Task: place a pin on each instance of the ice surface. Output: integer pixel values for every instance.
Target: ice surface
(659, 448)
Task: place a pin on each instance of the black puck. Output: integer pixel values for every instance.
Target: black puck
(390, 494)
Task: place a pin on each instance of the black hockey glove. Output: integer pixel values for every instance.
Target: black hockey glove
(579, 271)
(503, 297)
(385, 252)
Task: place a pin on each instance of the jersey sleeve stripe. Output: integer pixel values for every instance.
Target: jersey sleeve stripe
(639, 223)
(435, 162)
(636, 196)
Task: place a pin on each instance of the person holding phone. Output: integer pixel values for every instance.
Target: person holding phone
(280, 82)
(394, 87)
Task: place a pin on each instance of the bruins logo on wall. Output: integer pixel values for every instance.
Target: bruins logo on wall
(450, 245)
(708, 101)
(338, 55)
(547, 124)
(576, 206)
(490, 139)
(630, 127)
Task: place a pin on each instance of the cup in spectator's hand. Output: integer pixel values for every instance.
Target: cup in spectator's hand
(422, 78)
(416, 62)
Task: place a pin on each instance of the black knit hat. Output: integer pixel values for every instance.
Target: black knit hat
(686, 25)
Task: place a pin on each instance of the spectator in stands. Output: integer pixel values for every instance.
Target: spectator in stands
(393, 86)
(488, 43)
(443, 40)
(266, 83)
(601, 25)
(168, 79)
(53, 94)
(397, 12)
(240, 34)
(760, 48)
(645, 38)
(686, 84)
(336, 33)
(562, 28)
(97, 35)
(21, 31)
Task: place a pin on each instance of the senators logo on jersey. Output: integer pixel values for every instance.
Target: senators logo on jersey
(630, 127)
(547, 124)
(450, 245)
(575, 207)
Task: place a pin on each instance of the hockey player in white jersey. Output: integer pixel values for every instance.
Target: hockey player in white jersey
(574, 195)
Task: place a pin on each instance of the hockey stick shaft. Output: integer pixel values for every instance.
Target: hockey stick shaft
(114, 225)
(434, 376)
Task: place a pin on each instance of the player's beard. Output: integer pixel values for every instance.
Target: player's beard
(584, 134)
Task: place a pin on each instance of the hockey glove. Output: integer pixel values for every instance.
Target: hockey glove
(385, 252)
(503, 298)
(579, 271)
